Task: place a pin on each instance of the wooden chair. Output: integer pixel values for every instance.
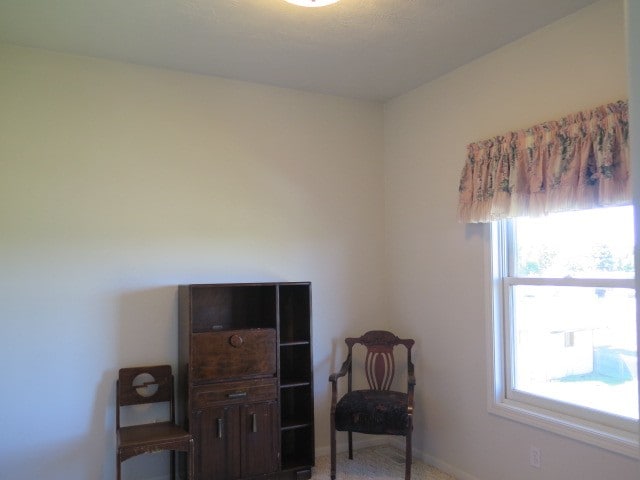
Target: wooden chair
(377, 410)
(149, 437)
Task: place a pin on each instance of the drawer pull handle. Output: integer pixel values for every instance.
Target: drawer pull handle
(237, 395)
(254, 422)
(219, 428)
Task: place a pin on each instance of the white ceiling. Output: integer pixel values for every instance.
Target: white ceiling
(370, 49)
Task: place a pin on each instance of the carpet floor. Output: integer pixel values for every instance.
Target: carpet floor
(381, 462)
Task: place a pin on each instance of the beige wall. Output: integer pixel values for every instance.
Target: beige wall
(437, 266)
(118, 183)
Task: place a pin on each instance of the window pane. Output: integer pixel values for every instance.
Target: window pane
(577, 345)
(584, 244)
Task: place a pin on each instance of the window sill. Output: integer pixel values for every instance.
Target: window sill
(611, 439)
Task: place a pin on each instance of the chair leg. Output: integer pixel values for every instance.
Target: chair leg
(333, 446)
(191, 460)
(173, 464)
(350, 445)
(409, 455)
(118, 462)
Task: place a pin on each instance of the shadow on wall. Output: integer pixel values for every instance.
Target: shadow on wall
(73, 458)
(147, 335)
(474, 230)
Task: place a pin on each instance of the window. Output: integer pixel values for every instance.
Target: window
(564, 325)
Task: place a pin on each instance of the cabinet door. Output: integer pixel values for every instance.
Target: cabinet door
(260, 438)
(217, 443)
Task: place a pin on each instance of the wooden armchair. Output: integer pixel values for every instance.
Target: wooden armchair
(378, 409)
(149, 437)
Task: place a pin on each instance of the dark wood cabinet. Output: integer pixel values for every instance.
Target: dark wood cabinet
(246, 379)
(218, 454)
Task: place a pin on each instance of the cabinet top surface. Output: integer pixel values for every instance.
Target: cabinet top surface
(255, 284)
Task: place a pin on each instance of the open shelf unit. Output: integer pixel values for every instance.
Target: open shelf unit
(246, 349)
(296, 377)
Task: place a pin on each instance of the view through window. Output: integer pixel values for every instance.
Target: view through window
(570, 312)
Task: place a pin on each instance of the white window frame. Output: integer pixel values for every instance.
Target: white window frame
(574, 422)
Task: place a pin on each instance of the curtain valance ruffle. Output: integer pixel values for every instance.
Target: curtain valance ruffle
(579, 162)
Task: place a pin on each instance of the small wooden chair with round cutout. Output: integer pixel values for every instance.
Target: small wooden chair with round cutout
(146, 385)
(377, 410)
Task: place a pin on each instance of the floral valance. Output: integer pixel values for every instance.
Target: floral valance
(578, 162)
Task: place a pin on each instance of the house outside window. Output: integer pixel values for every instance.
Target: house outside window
(564, 325)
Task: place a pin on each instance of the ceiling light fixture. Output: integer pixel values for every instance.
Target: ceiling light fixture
(312, 3)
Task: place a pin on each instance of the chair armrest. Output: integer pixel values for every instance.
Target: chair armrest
(333, 378)
(411, 378)
(411, 381)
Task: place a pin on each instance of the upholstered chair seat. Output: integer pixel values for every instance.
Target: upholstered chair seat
(374, 412)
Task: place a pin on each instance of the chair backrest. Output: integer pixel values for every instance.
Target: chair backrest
(143, 385)
(379, 364)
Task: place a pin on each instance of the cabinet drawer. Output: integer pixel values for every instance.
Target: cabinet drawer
(233, 353)
(247, 391)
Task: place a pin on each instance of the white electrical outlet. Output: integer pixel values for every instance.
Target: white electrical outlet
(535, 457)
